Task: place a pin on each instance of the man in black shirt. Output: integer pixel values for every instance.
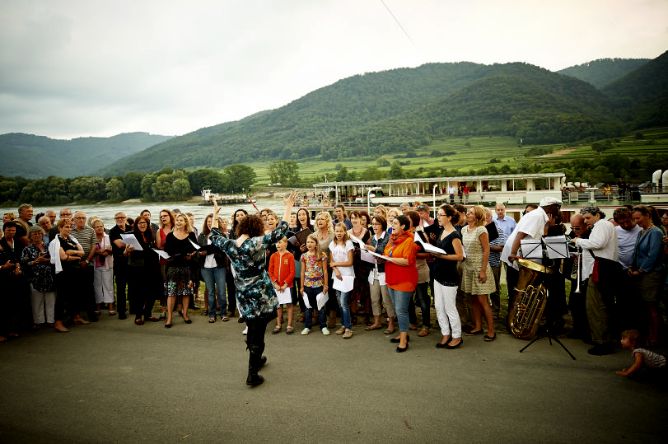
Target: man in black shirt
(120, 262)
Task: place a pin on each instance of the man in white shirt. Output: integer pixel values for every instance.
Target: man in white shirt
(602, 244)
(531, 226)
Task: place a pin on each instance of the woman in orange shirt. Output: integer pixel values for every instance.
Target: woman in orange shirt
(401, 274)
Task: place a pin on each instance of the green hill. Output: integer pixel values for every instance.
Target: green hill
(642, 95)
(33, 156)
(603, 72)
(376, 113)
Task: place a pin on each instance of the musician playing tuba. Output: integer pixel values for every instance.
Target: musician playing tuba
(532, 226)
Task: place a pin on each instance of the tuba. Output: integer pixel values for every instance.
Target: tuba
(530, 299)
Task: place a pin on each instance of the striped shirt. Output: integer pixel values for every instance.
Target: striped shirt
(86, 237)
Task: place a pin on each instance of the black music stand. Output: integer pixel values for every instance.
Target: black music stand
(547, 334)
(552, 251)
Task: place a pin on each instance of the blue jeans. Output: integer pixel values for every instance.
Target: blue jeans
(343, 299)
(214, 278)
(400, 300)
(311, 293)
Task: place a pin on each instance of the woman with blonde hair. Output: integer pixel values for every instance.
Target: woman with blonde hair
(477, 278)
(179, 245)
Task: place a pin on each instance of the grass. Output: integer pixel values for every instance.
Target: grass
(464, 155)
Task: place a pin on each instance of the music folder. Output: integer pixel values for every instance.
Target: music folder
(531, 248)
(557, 247)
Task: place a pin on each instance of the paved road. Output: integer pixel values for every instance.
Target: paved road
(116, 382)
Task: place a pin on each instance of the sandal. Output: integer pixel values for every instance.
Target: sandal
(289, 330)
(489, 338)
(276, 329)
(373, 327)
(423, 332)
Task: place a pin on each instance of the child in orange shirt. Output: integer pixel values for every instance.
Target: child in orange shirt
(282, 274)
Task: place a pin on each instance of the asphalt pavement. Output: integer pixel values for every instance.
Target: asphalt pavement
(113, 381)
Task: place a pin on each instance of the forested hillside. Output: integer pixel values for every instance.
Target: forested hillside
(393, 110)
(603, 72)
(642, 95)
(33, 156)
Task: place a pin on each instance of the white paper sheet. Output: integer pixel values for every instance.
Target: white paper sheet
(359, 241)
(429, 248)
(284, 297)
(306, 302)
(366, 256)
(197, 247)
(322, 299)
(132, 241)
(557, 247)
(162, 253)
(345, 284)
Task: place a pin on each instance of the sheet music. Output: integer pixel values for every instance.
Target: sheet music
(132, 241)
(307, 304)
(284, 297)
(162, 253)
(429, 248)
(321, 298)
(197, 247)
(557, 247)
(345, 284)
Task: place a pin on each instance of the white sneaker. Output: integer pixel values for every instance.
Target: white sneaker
(245, 332)
(325, 331)
(306, 331)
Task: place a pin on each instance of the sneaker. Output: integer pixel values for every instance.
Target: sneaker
(325, 331)
(340, 331)
(245, 332)
(212, 319)
(348, 334)
(306, 331)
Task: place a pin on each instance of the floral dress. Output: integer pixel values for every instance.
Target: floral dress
(255, 293)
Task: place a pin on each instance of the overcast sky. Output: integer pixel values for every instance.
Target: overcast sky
(99, 68)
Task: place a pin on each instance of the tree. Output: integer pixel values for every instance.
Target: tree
(239, 178)
(132, 183)
(88, 188)
(147, 187)
(115, 189)
(396, 172)
(206, 178)
(181, 189)
(285, 172)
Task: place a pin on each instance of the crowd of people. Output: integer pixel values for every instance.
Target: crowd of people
(350, 270)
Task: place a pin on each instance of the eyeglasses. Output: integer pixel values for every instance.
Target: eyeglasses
(120, 217)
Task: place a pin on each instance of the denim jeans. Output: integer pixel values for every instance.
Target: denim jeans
(400, 300)
(423, 301)
(311, 293)
(214, 278)
(344, 299)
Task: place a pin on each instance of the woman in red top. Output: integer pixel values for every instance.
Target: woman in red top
(401, 274)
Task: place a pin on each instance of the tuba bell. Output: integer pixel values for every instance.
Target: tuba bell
(530, 299)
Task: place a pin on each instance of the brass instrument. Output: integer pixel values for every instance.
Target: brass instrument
(530, 299)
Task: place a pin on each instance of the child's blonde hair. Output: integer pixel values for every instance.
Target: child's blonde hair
(314, 238)
(632, 335)
(346, 237)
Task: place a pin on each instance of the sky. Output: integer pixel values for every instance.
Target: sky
(75, 68)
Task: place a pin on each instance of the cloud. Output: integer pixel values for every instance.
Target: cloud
(76, 67)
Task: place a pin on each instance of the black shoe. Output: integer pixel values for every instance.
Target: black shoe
(168, 325)
(452, 347)
(241, 320)
(254, 379)
(397, 340)
(401, 350)
(601, 350)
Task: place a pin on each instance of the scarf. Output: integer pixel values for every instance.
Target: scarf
(54, 251)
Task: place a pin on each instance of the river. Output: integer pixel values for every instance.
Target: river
(106, 211)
